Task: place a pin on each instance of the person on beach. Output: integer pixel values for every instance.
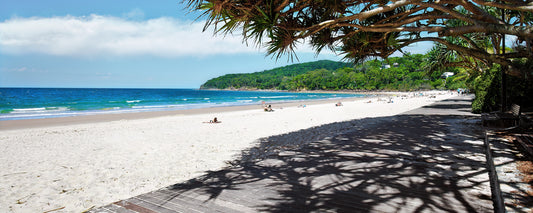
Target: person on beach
(214, 121)
(338, 104)
(269, 108)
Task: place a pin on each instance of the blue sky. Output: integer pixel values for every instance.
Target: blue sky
(122, 44)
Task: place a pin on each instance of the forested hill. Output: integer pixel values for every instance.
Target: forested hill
(269, 79)
(396, 73)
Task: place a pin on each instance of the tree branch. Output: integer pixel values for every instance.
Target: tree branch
(522, 32)
(450, 11)
(481, 55)
(526, 7)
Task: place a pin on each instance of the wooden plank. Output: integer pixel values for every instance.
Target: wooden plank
(185, 202)
(145, 203)
(247, 196)
(133, 207)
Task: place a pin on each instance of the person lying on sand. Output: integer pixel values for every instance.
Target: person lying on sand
(269, 108)
(338, 104)
(215, 120)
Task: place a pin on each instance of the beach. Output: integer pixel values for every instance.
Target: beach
(72, 164)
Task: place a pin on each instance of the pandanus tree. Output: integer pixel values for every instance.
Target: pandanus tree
(359, 29)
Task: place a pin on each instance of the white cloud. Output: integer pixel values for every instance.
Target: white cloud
(97, 35)
(102, 36)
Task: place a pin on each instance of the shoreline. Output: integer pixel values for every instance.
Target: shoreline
(58, 112)
(109, 117)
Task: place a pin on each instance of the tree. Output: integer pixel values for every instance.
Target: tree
(375, 28)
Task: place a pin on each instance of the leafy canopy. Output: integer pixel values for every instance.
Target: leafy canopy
(359, 29)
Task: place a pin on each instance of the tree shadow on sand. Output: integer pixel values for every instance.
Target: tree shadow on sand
(410, 162)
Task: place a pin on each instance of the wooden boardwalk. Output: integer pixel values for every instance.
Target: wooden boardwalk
(427, 160)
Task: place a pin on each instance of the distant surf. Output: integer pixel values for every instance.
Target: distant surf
(32, 103)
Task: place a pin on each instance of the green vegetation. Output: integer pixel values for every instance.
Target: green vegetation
(396, 73)
(269, 79)
(488, 91)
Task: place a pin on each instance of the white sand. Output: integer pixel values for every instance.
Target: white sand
(76, 167)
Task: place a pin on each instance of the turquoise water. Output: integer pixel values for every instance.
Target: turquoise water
(30, 103)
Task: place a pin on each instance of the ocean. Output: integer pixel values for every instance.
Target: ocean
(32, 103)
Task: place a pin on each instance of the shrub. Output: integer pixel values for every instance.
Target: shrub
(487, 90)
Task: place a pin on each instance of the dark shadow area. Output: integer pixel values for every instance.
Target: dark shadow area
(459, 105)
(408, 163)
(450, 104)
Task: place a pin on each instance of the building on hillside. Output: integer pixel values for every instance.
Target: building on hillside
(447, 74)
